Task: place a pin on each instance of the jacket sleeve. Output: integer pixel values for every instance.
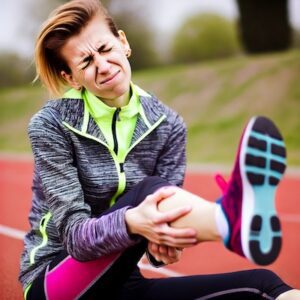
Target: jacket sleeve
(84, 238)
(171, 164)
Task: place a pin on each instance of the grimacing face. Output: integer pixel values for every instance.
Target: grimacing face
(98, 62)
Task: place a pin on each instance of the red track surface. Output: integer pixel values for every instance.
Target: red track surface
(207, 258)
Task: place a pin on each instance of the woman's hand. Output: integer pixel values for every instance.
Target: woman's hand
(167, 255)
(147, 221)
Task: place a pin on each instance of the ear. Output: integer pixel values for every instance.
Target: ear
(123, 40)
(70, 80)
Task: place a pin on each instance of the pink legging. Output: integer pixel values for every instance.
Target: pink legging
(66, 278)
(61, 277)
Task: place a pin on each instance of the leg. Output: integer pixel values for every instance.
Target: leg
(248, 200)
(290, 295)
(67, 278)
(249, 284)
(202, 217)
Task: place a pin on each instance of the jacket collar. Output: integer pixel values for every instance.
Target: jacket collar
(75, 113)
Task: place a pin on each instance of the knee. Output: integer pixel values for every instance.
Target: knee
(268, 281)
(265, 273)
(153, 183)
(149, 185)
(265, 276)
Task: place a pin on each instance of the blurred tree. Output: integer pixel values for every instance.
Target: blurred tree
(205, 36)
(129, 16)
(296, 38)
(14, 70)
(264, 25)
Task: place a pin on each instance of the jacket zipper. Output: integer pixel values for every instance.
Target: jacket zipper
(122, 179)
(116, 117)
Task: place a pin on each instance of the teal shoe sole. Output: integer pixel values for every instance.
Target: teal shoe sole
(263, 164)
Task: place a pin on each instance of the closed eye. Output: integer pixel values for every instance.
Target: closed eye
(103, 49)
(86, 61)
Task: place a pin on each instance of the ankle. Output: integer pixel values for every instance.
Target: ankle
(289, 295)
(221, 223)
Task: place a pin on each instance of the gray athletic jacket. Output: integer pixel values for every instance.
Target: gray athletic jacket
(76, 177)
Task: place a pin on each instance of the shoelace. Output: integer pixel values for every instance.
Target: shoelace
(221, 182)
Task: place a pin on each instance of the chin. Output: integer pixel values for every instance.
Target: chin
(121, 90)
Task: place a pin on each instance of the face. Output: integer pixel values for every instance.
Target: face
(98, 62)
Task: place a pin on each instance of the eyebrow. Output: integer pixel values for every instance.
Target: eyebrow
(86, 58)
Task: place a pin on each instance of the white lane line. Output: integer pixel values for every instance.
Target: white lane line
(19, 234)
(161, 270)
(12, 232)
(290, 218)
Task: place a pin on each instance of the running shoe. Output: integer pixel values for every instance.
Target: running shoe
(248, 200)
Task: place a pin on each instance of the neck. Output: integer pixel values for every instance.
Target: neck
(120, 101)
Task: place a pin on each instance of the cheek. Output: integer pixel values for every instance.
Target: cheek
(89, 74)
(127, 66)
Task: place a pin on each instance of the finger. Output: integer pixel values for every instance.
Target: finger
(154, 248)
(179, 243)
(173, 215)
(166, 260)
(165, 229)
(158, 258)
(162, 249)
(172, 252)
(162, 193)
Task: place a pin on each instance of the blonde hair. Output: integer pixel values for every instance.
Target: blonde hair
(64, 22)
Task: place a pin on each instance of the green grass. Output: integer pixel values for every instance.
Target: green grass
(16, 107)
(216, 98)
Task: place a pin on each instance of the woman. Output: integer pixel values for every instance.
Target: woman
(109, 160)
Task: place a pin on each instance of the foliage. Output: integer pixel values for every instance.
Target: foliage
(134, 21)
(14, 70)
(205, 36)
(141, 40)
(296, 38)
(215, 98)
(129, 17)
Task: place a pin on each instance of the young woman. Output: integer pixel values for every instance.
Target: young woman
(109, 162)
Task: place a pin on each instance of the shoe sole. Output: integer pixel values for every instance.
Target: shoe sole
(262, 165)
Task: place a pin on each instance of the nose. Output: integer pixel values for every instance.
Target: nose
(101, 63)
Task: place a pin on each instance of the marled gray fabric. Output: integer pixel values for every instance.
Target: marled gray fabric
(75, 177)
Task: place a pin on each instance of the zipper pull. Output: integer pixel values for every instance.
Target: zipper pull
(118, 110)
(116, 118)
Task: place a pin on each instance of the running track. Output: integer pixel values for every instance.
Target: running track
(207, 258)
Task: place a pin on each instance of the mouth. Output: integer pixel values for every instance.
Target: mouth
(110, 78)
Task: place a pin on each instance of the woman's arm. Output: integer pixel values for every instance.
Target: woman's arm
(84, 238)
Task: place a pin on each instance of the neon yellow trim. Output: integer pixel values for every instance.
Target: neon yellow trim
(142, 113)
(103, 116)
(121, 185)
(122, 178)
(86, 118)
(121, 175)
(140, 92)
(86, 135)
(146, 133)
(27, 290)
(72, 94)
(43, 224)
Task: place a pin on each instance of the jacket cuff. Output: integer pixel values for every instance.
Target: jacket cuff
(132, 238)
(153, 261)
